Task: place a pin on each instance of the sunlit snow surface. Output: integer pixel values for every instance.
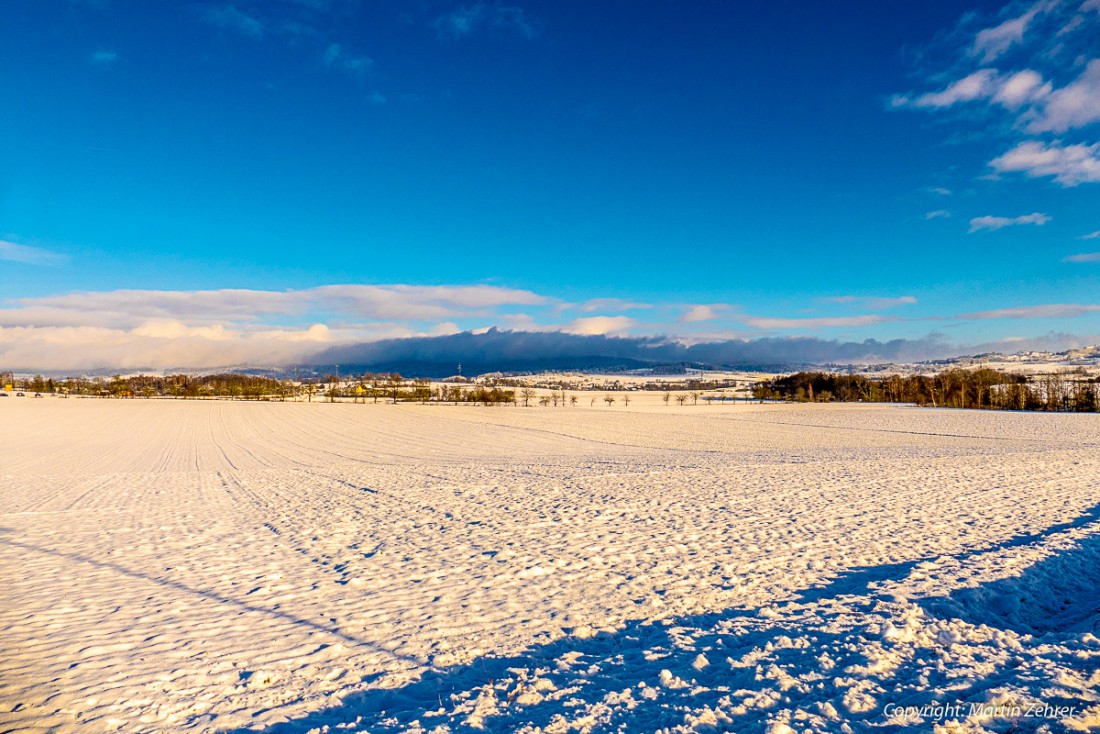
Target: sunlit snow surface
(224, 566)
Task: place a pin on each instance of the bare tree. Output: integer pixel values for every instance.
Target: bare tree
(609, 399)
(526, 393)
(573, 400)
(544, 400)
(395, 380)
(694, 397)
(666, 397)
(626, 400)
(681, 398)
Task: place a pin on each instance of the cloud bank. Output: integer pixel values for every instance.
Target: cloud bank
(526, 351)
(377, 325)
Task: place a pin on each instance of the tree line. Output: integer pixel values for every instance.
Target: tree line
(983, 388)
(367, 387)
(248, 387)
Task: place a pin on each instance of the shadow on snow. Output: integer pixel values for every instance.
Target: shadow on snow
(649, 675)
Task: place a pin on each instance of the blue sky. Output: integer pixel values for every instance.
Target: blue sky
(182, 183)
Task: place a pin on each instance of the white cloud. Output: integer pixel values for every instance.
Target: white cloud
(610, 304)
(147, 329)
(994, 223)
(874, 301)
(28, 255)
(1021, 88)
(1040, 107)
(1070, 165)
(1049, 85)
(705, 312)
(1045, 311)
(445, 328)
(941, 191)
(154, 345)
(990, 43)
(519, 322)
(981, 84)
(164, 329)
(938, 214)
(337, 57)
(762, 322)
(179, 330)
(463, 21)
(1073, 106)
(104, 58)
(229, 17)
(1011, 91)
(1091, 235)
(1084, 257)
(383, 302)
(595, 325)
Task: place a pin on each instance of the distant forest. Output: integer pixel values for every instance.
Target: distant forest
(983, 388)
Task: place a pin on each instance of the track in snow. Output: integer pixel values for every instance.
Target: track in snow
(202, 566)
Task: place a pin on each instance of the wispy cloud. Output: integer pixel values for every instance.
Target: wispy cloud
(941, 191)
(28, 255)
(1083, 257)
(873, 301)
(991, 224)
(381, 302)
(827, 322)
(989, 43)
(337, 57)
(308, 24)
(610, 304)
(468, 19)
(1010, 91)
(1045, 311)
(104, 58)
(1037, 69)
(980, 84)
(1091, 235)
(230, 17)
(938, 214)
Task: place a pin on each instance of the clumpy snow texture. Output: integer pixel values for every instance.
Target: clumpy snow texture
(178, 566)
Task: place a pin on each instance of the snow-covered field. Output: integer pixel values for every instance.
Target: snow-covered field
(225, 566)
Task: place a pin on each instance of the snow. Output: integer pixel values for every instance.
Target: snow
(175, 566)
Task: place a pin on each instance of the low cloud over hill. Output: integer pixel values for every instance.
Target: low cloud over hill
(521, 351)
